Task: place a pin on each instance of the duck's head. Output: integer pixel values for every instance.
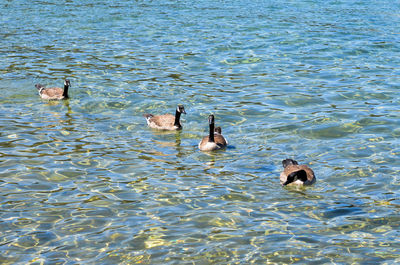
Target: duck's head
(211, 119)
(181, 109)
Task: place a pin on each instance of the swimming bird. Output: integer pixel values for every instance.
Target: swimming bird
(54, 93)
(214, 140)
(166, 121)
(296, 174)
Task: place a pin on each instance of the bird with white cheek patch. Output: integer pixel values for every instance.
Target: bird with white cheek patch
(167, 122)
(54, 93)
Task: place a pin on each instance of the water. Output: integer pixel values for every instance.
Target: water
(85, 181)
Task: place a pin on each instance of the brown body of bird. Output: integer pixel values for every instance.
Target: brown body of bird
(166, 121)
(214, 140)
(54, 93)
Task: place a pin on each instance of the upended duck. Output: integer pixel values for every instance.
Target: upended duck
(295, 174)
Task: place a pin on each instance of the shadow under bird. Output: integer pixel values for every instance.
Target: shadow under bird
(166, 121)
(54, 93)
(295, 174)
(215, 140)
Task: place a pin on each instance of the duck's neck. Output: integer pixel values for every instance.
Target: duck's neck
(177, 117)
(65, 93)
(211, 135)
(302, 176)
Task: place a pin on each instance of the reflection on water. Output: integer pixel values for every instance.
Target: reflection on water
(85, 179)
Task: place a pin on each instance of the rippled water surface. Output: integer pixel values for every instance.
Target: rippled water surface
(86, 181)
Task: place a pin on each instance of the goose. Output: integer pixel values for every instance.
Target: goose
(166, 121)
(296, 174)
(214, 140)
(54, 93)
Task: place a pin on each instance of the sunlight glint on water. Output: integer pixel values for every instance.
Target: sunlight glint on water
(85, 180)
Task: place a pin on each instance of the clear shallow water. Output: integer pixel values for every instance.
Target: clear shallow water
(85, 180)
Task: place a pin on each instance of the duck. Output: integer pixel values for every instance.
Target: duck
(295, 174)
(166, 121)
(214, 140)
(54, 93)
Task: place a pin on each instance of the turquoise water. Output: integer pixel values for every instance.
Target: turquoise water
(85, 181)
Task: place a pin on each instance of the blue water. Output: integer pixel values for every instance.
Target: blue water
(86, 181)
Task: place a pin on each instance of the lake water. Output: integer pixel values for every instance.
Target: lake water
(86, 181)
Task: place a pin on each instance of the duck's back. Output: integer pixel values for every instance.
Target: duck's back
(51, 93)
(165, 122)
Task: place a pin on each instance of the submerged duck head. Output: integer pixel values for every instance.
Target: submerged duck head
(296, 174)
